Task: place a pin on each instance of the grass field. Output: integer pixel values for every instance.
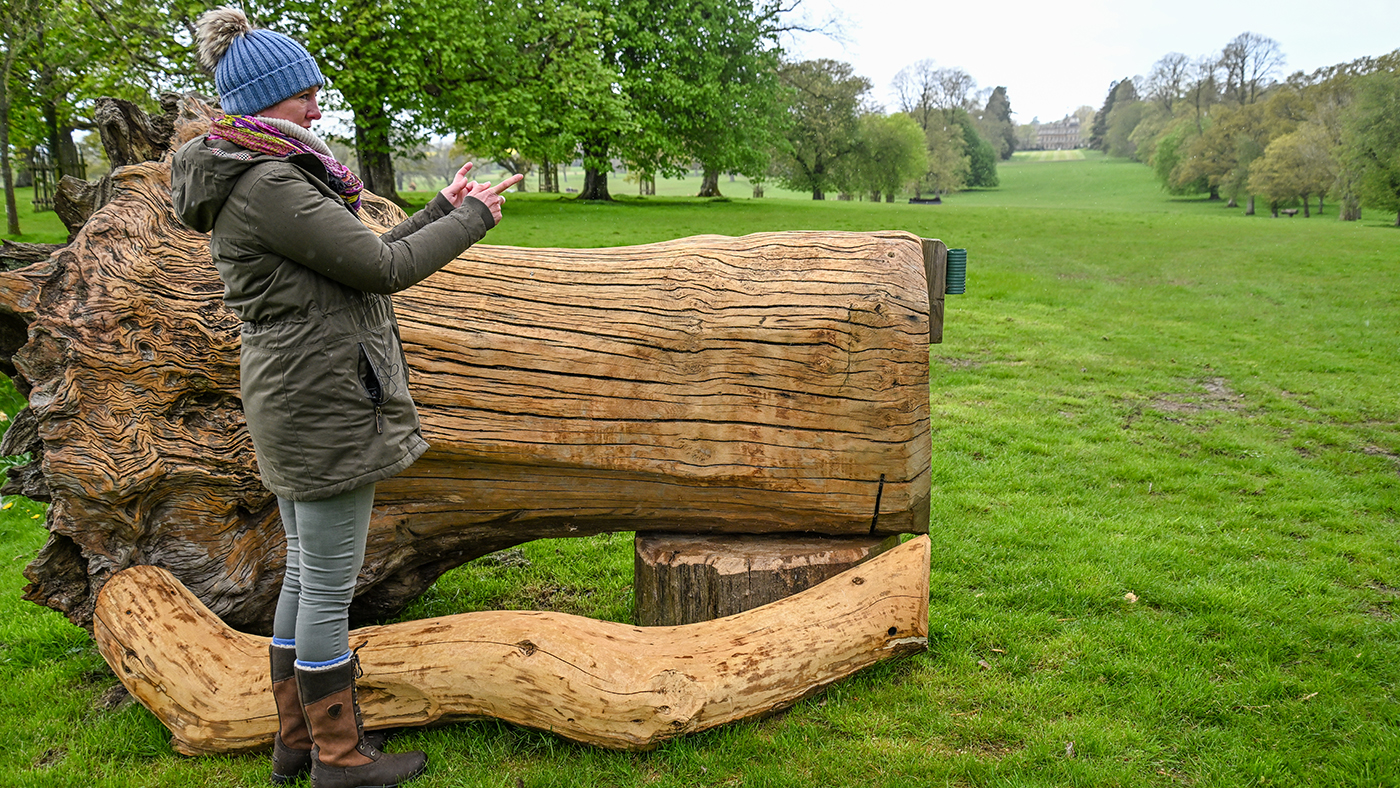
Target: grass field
(1049, 155)
(1166, 509)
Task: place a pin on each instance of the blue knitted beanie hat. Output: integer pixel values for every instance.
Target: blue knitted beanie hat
(253, 69)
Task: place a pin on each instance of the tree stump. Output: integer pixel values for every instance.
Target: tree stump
(687, 578)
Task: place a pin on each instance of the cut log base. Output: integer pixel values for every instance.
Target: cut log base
(688, 578)
(595, 682)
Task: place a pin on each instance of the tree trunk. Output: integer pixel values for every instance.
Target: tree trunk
(598, 682)
(684, 578)
(595, 176)
(61, 147)
(766, 384)
(549, 176)
(375, 153)
(595, 185)
(1350, 208)
(889, 196)
(1307, 205)
(1249, 209)
(709, 184)
(24, 179)
(818, 194)
(11, 210)
(1232, 203)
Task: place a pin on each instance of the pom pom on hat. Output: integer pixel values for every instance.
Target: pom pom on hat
(215, 31)
(253, 68)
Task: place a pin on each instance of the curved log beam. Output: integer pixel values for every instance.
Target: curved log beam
(596, 682)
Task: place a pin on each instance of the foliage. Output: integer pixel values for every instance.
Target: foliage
(694, 81)
(1374, 140)
(1297, 164)
(891, 156)
(1121, 90)
(994, 123)
(1123, 120)
(709, 87)
(549, 88)
(981, 156)
(825, 99)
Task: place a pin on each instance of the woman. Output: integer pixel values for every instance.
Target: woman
(324, 379)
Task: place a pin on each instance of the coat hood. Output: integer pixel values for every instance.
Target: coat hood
(204, 172)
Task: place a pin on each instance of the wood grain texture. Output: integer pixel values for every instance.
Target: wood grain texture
(596, 682)
(936, 274)
(687, 578)
(772, 383)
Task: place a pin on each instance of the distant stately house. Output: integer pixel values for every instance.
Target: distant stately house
(1060, 135)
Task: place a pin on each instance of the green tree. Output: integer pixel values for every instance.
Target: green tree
(693, 82)
(19, 26)
(89, 48)
(949, 165)
(1297, 164)
(995, 123)
(982, 157)
(1122, 90)
(1235, 135)
(825, 100)
(1123, 120)
(891, 155)
(552, 90)
(1373, 140)
(1167, 155)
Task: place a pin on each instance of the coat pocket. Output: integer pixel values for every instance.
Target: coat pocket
(378, 385)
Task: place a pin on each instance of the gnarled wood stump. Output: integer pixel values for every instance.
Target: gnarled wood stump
(597, 682)
(772, 383)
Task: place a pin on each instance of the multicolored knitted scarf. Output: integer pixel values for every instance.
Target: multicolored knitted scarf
(247, 131)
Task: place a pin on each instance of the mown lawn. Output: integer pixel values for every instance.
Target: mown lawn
(1166, 490)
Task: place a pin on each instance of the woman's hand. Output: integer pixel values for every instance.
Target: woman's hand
(492, 196)
(455, 190)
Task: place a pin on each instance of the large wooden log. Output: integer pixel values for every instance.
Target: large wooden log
(597, 682)
(772, 383)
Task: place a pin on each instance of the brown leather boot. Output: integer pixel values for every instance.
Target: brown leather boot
(341, 758)
(291, 748)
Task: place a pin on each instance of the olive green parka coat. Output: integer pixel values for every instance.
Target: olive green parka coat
(324, 379)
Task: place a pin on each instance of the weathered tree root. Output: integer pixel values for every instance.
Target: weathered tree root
(597, 682)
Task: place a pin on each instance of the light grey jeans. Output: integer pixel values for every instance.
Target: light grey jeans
(325, 549)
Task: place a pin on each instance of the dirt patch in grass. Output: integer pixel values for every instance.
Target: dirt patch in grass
(49, 757)
(1377, 451)
(1218, 396)
(555, 597)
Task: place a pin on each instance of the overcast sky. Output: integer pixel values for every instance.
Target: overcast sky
(1053, 62)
